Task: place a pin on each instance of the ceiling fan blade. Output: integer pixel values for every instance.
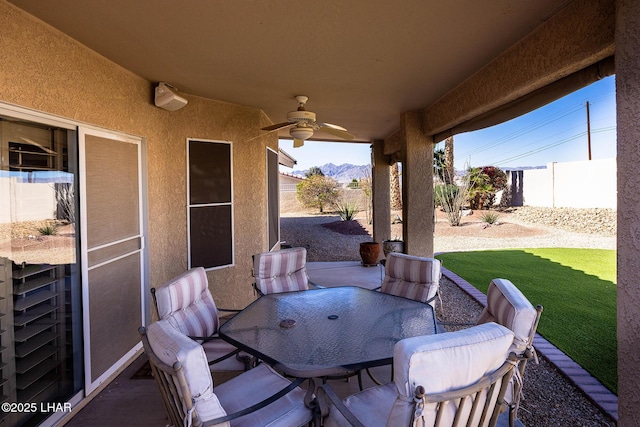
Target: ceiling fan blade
(278, 126)
(336, 130)
(297, 143)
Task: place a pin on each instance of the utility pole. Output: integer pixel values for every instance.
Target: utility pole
(588, 132)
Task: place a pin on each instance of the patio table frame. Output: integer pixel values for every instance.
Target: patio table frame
(327, 332)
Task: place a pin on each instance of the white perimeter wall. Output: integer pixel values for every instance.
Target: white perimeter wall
(27, 201)
(583, 184)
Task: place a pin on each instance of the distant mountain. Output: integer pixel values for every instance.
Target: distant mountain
(342, 173)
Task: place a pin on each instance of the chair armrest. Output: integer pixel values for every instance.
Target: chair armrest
(212, 338)
(257, 290)
(229, 310)
(325, 395)
(225, 357)
(315, 285)
(154, 298)
(204, 339)
(269, 400)
(225, 314)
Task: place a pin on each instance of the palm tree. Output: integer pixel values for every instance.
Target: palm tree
(448, 160)
(439, 167)
(396, 196)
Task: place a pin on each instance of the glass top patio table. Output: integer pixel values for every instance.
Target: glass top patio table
(326, 332)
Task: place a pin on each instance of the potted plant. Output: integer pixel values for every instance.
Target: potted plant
(369, 252)
(392, 245)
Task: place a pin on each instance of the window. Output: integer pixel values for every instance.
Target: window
(209, 203)
(273, 199)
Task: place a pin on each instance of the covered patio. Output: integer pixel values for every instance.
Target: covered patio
(132, 385)
(399, 78)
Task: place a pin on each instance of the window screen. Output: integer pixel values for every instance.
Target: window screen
(210, 204)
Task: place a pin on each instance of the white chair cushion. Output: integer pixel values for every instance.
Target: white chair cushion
(412, 277)
(188, 304)
(171, 345)
(281, 271)
(445, 362)
(255, 385)
(371, 406)
(509, 307)
(439, 363)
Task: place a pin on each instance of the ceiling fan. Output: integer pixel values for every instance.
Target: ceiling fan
(303, 124)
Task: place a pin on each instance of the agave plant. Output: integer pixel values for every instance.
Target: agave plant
(347, 210)
(49, 229)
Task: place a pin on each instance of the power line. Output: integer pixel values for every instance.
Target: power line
(536, 125)
(525, 130)
(519, 148)
(555, 144)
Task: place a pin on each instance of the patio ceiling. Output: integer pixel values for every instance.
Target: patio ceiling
(362, 63)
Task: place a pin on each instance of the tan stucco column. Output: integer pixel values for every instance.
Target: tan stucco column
(381, 202)
(628, 118)
(417, 187)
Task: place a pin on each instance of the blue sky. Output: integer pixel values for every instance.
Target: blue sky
(556, 132)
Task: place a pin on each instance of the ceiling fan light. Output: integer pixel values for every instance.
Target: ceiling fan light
(301, 133)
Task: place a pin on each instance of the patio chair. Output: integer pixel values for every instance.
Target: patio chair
(454, 378)
(187, 303)
(412, 277)
(280, 271)
(509, 307)
(258, 397)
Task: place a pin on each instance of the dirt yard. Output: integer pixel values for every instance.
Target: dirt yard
(327, 238)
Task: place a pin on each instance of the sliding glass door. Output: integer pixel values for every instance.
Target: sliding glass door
(73, 262)
(40, 297)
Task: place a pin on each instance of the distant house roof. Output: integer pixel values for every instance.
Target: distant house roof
(291, 176)
(285, 159)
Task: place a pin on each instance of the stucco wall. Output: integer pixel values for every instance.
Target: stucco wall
(577, 36)
(537, 185)
(45, 70)
(628, 112)
(583, 184)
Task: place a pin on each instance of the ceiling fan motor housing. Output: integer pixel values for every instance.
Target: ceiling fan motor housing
(301, 116)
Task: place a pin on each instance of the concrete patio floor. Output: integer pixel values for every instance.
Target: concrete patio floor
(135, 401)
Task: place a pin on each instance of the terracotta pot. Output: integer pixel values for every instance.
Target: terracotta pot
(369, 252)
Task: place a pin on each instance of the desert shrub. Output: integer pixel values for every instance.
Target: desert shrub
(490, 217)
(347, 210)
(453, 199)
(484, 182)
(49, 229)
(444, 194)
(365, 185)
(317, 191)
(65, 196)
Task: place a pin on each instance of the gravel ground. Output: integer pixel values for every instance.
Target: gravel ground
(550, 400)
(517, 228)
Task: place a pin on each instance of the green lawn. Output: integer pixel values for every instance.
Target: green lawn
(577, 288)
